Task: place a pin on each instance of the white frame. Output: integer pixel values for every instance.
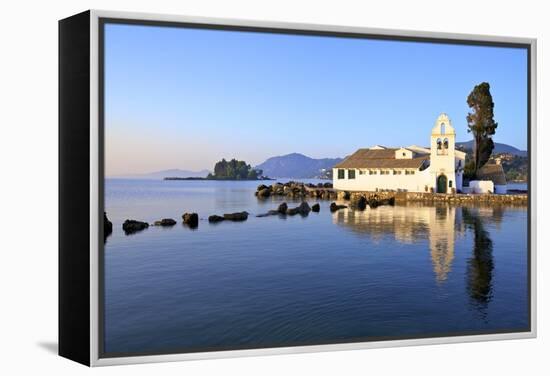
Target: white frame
(94, 190)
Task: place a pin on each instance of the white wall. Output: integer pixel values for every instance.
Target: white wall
(366, 182)
(482, 186)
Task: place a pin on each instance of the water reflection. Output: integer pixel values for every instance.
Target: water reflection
(480, 265)
(410, 224)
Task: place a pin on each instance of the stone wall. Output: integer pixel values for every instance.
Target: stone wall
(401, 197)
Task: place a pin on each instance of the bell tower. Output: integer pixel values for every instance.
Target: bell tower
(442, 154)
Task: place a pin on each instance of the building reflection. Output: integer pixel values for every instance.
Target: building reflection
(409, 224)
(439, 227)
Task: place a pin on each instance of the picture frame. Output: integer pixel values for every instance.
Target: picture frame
(82, 135)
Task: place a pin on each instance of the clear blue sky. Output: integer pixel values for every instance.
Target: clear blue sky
(185, 98)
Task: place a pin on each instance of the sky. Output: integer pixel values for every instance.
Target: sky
(186, 98)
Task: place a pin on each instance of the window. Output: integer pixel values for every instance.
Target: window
(384, 172)
(396, 172)
(404, 154)
(450, 183)
(351, 174)
(446, 143)
(438, 144)
(372, 172)
(442, 128)
(409, 172)
(341, 174)
(361, 172)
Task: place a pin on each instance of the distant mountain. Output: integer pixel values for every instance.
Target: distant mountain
(166, 173)
(297, 165)
(499, 148)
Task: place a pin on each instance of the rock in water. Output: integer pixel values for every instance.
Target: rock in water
(282, 208)
(107, 225)
(191, 219)
(215, 218)
(264, 192)
(304, 208)
(316, 208)
(292, 211)
(165, 222)
(239, 216)
(130, 226)
(358, 202)
(334, 207)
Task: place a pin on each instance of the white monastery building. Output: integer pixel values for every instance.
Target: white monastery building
(409, 169)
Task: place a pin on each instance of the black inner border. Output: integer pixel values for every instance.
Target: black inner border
(102, 21)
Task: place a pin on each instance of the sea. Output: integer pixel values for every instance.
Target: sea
(393, 272)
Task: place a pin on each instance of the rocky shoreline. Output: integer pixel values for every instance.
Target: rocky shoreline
(296, 190)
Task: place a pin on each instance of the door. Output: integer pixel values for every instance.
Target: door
(442, 184)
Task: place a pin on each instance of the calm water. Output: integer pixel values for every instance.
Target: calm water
(387, 272)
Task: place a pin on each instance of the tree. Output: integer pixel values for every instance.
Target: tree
(234, 170)
(481, 124)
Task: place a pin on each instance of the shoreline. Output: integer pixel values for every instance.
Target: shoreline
(221, 179)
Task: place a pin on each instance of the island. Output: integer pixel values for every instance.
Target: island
(229, 170)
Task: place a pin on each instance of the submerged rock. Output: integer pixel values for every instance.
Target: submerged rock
(107, 225)
(358, 202)
(264, 192)
(304, 208)
(282, 208)
(130, 226)
(239, 216)
(215, 218)
(165, 222)
(268, 214)
(316, 208)
(292, 211)
(191, 219)
(334, 207)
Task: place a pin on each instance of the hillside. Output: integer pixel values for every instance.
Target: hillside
(499, 148)
(297, 165)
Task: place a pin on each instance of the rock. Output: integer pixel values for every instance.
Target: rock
(328, 185)
(107, 225)
(304, 208)
(269, 213)
(388, 201)
(358, 202)
(215, 218)
(240, 216)
(292, 211)
(334, 207)
(261, 187)
(264, 192)
(282, 208)
(165, 222)
(191, 219)
(316, 208)
(130, 226)
(373, 202)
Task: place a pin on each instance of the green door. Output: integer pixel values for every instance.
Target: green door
(442, 184)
